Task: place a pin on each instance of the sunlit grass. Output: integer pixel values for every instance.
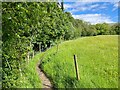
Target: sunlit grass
(97, 60)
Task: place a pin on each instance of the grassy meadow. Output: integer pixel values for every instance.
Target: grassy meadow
(97, 58)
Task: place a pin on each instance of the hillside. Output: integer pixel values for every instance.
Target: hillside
(97, 60)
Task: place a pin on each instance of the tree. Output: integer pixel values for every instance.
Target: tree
(24, 23)
(115, 29)
(102, 29)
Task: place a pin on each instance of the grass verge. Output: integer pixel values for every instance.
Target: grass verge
(30, 77)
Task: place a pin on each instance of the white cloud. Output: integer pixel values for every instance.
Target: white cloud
(83, 6)
(116, 5)
(90, 0)
(94, 18)
(94, 6)
(99, 0)
(91, 5)
(66, 6)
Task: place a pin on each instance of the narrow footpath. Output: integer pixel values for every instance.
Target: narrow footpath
(44, 80)
(46, 84)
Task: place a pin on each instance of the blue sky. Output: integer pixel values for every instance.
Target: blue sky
(93, 11)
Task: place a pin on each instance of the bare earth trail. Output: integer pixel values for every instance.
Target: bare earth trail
(44, 80)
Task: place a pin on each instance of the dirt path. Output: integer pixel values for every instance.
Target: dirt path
(44, 80)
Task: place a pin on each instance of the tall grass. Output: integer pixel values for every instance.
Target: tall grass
(30, 77)
(97, 60)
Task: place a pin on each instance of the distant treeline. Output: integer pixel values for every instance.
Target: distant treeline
(27, 23)
(82, 28)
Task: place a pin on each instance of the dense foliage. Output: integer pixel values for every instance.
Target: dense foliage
(25, 23)
(115, 29)
(0, 45)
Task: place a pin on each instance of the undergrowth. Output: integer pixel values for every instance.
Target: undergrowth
(30, 77)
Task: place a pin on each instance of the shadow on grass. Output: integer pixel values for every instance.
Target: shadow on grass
(70, 82)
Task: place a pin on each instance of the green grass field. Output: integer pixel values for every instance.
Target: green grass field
(97, 58)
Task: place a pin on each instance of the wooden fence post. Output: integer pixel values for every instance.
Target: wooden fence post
(40, 46)
(50, 45)
(33, 53)
(28, 57)
(57, 47)
(20, 70)
(76, 67)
